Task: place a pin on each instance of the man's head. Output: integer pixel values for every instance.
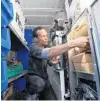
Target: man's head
(41, 35)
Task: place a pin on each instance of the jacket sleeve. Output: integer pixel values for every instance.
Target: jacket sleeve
(38, 52)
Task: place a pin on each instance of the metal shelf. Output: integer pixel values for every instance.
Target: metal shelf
(24, 72)
(84, 75)
(17, 42)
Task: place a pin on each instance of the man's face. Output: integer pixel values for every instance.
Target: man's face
(42, 37)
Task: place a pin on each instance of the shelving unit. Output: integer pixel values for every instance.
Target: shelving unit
(75, 75)
(22, 51)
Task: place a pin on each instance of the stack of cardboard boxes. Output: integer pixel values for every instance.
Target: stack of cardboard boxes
(81, 60)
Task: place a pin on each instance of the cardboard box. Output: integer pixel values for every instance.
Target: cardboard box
(80, 29)
(84, 67)
(83, 62)
(82, 57)
(82, 50)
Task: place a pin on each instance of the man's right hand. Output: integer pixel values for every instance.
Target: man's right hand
(80, 42)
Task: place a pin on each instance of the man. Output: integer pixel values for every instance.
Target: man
(37, 76)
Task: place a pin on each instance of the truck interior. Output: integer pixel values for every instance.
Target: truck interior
(77, 76)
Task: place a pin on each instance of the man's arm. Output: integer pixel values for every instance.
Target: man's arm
(60, 49)
(38, 52)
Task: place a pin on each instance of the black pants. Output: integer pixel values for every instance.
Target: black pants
(37, 85)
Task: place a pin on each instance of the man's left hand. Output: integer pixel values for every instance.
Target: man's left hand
(55, 60)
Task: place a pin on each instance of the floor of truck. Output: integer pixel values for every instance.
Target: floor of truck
(48, 95)
(22, 95)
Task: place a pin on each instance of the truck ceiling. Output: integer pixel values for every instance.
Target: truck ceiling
(41, 12)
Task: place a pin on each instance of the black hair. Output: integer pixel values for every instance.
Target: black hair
(35, 30)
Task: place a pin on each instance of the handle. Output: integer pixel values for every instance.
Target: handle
(17, 1)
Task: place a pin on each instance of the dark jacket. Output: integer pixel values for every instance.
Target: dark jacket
(38, 64)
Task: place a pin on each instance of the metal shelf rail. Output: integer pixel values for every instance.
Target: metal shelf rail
(24, 72)
(87, 76)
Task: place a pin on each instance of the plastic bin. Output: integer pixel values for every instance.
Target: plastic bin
(28, 36)
(5, 47)
(14, 70)
(6, 17)
(20, 84)
(10, 73)
(6, 12)
(23, 56)
(5, 41)
(4, 77)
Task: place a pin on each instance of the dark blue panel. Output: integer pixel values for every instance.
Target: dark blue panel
(20, 84)
(23, 56)
(28, 36)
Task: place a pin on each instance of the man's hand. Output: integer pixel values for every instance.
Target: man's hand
(55, 60)
(80, 42)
